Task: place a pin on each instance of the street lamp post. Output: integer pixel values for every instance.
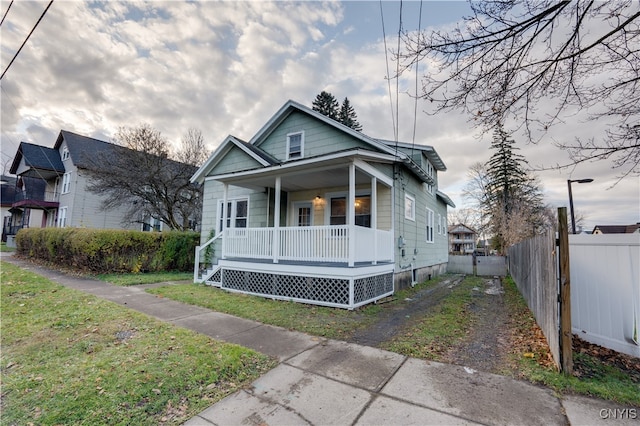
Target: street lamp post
(569, 181)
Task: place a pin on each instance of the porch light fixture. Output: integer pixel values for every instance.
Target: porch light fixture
(569, 181)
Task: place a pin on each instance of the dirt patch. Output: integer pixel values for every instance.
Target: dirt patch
(486, 347)
(391, 321)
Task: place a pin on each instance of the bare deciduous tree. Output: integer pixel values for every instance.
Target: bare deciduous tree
(537, 63)
(139, 173)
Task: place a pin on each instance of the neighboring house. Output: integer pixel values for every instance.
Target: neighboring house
(616, 229)
(313, 211)
(7, 197)
(462, 239)
(51, 189)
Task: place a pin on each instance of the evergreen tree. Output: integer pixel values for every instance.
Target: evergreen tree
(505, 170)
(348, 117)
(513, 199)
(326, 104)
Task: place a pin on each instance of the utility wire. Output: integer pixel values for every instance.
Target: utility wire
(25, 40)
(415, 106)
(5, 13)
(398, 78)
(386, 58)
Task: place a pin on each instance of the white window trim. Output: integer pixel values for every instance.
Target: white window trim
(301, 133)
(61, 221)
(65, 153)
(294, 211)
(439, 224)
(66, 183)
(429, 228)
(233, 217)
(412, 213)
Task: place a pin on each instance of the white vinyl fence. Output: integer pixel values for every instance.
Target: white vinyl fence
(605, 290)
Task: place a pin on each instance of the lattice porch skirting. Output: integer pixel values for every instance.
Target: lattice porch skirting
(341, 292)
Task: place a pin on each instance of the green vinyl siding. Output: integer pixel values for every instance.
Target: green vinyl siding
(418, 251)
(234, 161)
(319, 138)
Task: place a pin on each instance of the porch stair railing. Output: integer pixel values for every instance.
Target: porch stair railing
(206, 268)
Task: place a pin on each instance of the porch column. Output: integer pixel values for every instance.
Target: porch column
(224, 215)
(276, 221)
(374, 217)
(351, 213)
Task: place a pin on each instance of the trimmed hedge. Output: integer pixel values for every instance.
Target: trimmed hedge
(106, 251)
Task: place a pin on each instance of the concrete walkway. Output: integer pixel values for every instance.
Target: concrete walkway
(328, 382)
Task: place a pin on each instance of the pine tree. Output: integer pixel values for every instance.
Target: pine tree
(513, 198)
(505, 169)
(348, 117)
(326, 104)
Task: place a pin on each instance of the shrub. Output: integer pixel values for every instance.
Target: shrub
(109, 251)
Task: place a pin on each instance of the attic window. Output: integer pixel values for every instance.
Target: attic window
(65, 153)
(295, 145)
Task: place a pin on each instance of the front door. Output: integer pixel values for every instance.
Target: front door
(303, 214)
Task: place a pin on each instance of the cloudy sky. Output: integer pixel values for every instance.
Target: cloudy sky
(226, 68)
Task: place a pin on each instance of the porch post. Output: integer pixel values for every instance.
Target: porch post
(224, 215)
(351, 213)
(276, 221)
(374, 217)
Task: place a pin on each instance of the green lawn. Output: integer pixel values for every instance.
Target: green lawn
(70, 358)
(144, 278)
(428, 337)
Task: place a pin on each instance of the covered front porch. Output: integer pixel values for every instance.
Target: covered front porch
(329, 237)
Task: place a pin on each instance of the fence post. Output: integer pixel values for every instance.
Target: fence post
(566, 355)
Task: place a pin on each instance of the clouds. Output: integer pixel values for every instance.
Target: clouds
(225, 68)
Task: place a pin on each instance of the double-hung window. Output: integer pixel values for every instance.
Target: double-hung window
(430, 220)
(362, 211)
(409, 207)
(236, 213)
(295, 145)
(62, 217)
(66, 182)
(65, 153)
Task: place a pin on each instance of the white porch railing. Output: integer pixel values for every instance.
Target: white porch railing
(309, 244)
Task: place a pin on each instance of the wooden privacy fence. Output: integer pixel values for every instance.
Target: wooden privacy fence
(532, 265)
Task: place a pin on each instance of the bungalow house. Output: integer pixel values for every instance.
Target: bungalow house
(51, 188)
(616, 229)
(313, 211)
(462, 239)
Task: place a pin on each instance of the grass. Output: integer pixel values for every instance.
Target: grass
(603, 381)
(70, 358)
(429, 337)
(5, 248)
(144, 278)
(316, 320)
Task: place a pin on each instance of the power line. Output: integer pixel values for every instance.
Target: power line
(415, 106)
(386, 58)
(25, 40)
(398, 77)
(5, 13)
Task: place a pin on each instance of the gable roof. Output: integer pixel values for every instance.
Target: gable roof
(290, 107)
(617, 229)
(461, 228)
(37, 157)
(83, 148)
(230, 141)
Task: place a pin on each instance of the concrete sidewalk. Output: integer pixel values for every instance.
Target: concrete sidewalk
(320, 381)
